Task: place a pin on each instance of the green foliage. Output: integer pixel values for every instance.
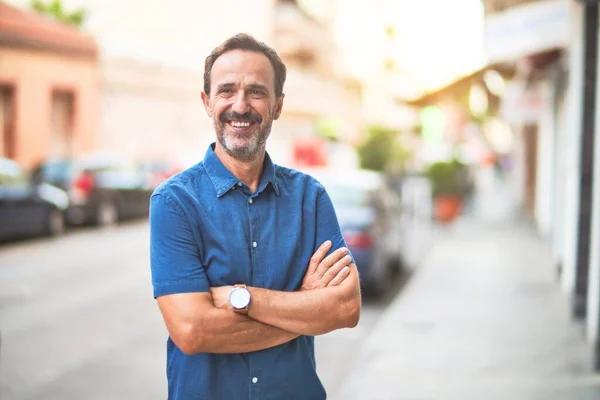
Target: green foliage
(449, 178)
(55, 9)
(381, 149)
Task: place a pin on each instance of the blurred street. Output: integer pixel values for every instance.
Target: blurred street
(78, 321)
(459, 143)
(483, 318)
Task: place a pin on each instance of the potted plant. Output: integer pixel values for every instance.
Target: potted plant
(449, 185)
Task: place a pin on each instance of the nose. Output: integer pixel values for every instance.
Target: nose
(240, 105)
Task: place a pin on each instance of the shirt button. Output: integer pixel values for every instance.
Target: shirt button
(239, 183)
(254, 244)
(254, 380)
(250, 201)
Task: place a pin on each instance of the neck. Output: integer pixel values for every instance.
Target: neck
(248, 172)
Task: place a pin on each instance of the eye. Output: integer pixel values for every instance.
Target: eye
(256, 92)
(225, 91)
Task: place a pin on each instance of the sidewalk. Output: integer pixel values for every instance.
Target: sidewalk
(482, 318)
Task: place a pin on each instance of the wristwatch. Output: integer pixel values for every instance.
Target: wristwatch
(239, 298)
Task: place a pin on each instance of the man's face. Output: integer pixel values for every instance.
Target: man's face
(242, 102)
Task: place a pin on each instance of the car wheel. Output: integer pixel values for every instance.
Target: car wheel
(107, 214)
(55, 225)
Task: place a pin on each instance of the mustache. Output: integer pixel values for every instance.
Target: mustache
(249, 116)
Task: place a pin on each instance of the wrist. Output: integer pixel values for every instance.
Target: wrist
(257, 295)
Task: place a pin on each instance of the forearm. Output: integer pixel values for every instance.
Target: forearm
(222, 331)
(312, 312)
(200, 327)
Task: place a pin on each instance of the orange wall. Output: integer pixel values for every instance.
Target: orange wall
(34, 76)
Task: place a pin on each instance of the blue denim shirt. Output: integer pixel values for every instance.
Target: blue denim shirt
(207, 229)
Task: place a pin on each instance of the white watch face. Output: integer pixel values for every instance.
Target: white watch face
(239, 298)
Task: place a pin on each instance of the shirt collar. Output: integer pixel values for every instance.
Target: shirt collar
(223, 180)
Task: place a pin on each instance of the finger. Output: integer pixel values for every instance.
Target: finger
(335, 269)
(318, 257)
(330, 260)
(339, 278)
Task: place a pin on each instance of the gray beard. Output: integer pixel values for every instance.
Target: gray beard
(248, 153)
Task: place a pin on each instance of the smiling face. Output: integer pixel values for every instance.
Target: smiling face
(242, 103)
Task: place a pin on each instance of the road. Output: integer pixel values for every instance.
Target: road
(78, 321)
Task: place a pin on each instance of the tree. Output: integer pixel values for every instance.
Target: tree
(381, 150)
(55, 9)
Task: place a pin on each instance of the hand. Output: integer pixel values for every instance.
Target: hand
(220, 296)
(330, 271)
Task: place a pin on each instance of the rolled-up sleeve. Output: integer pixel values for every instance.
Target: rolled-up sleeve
(174, 253)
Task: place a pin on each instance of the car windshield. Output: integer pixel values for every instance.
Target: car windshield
(56, 171)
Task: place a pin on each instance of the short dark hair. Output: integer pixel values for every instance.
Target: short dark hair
(244, 41)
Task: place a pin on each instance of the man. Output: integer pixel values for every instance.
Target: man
(248, 261)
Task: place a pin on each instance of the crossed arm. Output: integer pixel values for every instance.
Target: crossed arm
(328, 300)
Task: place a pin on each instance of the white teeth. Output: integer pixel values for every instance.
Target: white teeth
(239, 124)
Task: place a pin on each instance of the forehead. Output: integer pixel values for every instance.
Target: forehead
(237, 66)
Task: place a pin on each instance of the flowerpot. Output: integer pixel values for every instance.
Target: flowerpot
(447, 208)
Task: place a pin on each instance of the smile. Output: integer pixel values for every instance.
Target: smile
(240, 124)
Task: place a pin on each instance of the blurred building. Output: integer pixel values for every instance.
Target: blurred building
(151, 111)
(49, 82)
(539, 93)
(152, 68)
(320, 100)
(551, 104)
(152, 72)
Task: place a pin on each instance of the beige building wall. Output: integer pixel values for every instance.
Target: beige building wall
(151, 105)
(34, 77)
(153, 60)
(153, 112)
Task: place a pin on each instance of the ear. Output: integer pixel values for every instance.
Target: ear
(207, 106)
(278, 107)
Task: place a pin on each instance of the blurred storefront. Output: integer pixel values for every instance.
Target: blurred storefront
(535, 37)
(48, 88)
(592, 127)
(553, 101)
(544, 55)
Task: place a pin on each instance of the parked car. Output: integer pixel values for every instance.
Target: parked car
(103, 190)
(154, 172)
(28, 208)
(369, 213)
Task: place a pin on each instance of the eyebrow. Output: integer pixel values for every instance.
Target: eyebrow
(255, 86)
(258, 86)
(222, 86)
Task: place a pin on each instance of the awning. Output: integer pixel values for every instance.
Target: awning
(460, 85)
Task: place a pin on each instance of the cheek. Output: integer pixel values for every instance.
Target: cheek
(266, 110)
(217, 111)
